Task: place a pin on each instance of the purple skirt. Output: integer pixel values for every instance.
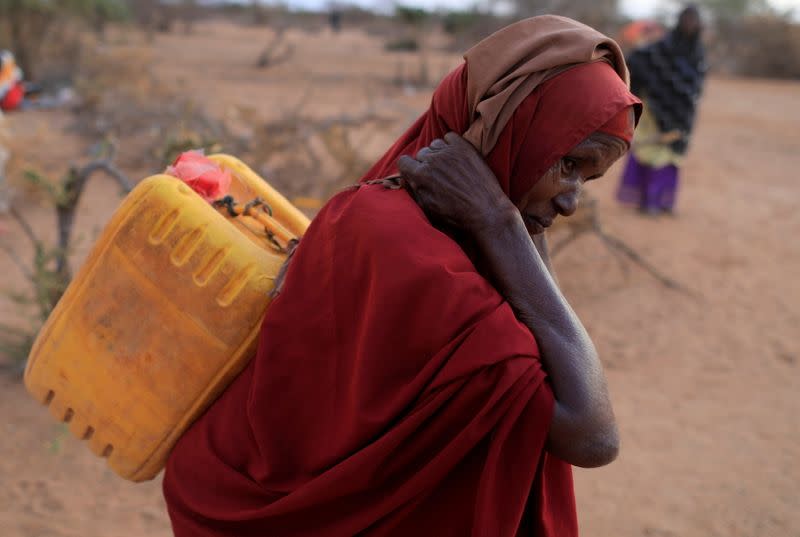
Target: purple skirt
(652, 189)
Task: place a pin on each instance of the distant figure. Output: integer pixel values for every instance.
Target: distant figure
(668, 76)
(12, 89)
(335, 20)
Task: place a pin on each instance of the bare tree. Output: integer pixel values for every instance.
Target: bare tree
(26, 25)
(277, 51)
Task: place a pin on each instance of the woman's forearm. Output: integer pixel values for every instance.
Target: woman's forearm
(583, 430)
(540, 242)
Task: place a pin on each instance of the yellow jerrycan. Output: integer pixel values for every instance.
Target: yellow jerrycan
(162, 316)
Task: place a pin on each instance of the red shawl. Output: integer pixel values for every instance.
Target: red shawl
(394, 392)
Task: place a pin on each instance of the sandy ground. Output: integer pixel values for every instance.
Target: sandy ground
(705, 387)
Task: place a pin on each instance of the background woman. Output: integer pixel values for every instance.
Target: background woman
(668, 76)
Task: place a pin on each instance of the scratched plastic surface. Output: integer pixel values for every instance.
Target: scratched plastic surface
(162, 316)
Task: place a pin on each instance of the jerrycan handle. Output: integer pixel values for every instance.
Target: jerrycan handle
(278, 236)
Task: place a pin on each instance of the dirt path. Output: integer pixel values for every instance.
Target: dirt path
(705, 389)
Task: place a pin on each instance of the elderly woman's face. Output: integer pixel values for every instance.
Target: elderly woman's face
(559, 189)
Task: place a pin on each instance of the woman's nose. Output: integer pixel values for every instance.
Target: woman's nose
(566, 203)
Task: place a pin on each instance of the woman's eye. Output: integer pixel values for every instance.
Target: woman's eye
(568, 165)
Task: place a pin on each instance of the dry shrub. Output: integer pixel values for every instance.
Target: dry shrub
(121, 99)
(266, 15)
(762, 46)
(109, 76)
(158, 16)
(277, 51)
(292, 154)
(339, 143)
(46, 35)
(60, 53)
(47, 51)
(468, 27)
(311, 157)
(354, 16)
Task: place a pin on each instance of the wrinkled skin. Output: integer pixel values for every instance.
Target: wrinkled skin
(558, 191)
(457, 190)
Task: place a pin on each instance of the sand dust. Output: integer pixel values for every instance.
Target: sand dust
(705, 388)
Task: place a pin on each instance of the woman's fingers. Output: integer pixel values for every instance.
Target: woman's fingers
(423, 153)
(410, 168)
(453, 138)
(438, 143)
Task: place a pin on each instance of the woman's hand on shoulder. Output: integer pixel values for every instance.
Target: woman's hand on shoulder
(452, 183)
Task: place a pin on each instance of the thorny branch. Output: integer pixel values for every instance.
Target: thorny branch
(17, 260)
(26, 227)
(277, 51)
(66, 202)
(590, 223)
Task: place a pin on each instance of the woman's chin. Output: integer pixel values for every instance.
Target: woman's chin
(533, 226)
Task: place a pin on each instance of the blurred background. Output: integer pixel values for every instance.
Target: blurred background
(695, 314)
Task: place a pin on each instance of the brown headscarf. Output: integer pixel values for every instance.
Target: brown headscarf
(533, 51)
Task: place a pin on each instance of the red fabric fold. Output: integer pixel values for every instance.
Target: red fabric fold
(620, 126)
